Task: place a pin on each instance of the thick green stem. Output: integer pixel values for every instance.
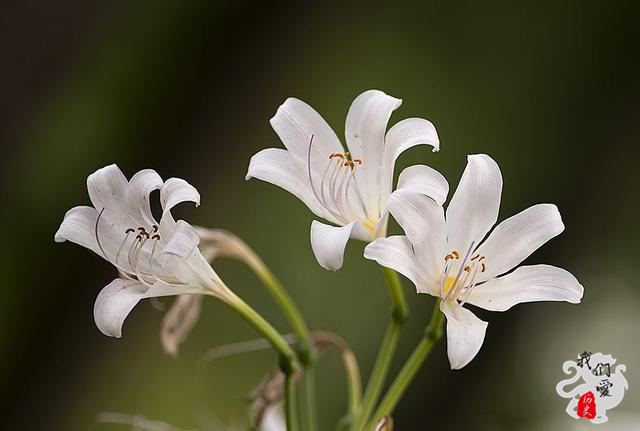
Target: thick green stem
(432, 334)
(381, 366)
(291, 417)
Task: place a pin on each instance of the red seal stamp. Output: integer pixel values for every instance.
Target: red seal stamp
(587, 406)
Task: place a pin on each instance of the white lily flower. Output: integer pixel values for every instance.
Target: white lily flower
(153, 258)
(349, 189)
(444, 256)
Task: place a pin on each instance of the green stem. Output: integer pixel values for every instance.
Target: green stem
(224, 243)
(304, 344)
(303, 347)
(290, 403)
(287, 356)
(432, 334)
(379, 373)
(387, 349)
(310, 418)
(220, 243)
(400, 311)
(290, 310)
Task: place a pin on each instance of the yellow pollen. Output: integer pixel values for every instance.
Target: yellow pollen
(447, 285)
(346, 157)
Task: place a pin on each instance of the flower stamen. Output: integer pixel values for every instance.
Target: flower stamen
(460, 287)
(454, 286)
(335, 185)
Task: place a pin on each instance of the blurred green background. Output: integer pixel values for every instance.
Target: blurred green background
(187, 88)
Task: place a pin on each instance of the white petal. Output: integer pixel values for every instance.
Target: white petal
(473, 210)
(117, 299)
(396, 252)
(403, 135)
(295, 122)
(365, 130)
(400, 137)
(328, 244)
(140, 187)
(465, 334)
(408, 133)
(426, 180)
(513, 240)
(78, 226)
(278, 167)
(423, 222)
(181, 258)
(527, 284)
(175, 191)
(108, 189)
(183, 242)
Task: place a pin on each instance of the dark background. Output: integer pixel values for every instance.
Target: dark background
(187, 88)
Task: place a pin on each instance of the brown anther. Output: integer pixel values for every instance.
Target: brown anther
(141, 229)
(139, 237)
(481, 258)
(448, 257)
(145, 233)
(455, 254)
(476, 256)
(358, 161)
(484, 267)
(334, 155)
(155, 228)
(349, 163)
(129, 230)
(156, 236)
(467, 268)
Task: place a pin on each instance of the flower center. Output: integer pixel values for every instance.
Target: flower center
(132, 263)
(458, 277)
(337, 183)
